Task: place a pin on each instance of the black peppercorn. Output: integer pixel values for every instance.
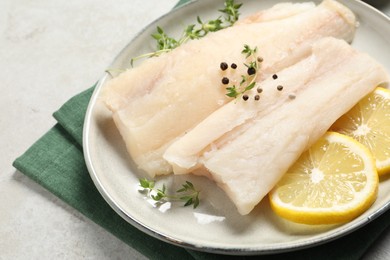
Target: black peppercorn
(245, 97)
(280, 88)
(225, 80)
(251, 71)
(233, 66)
(224, 66)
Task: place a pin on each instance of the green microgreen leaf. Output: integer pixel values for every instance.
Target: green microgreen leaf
(189, 195)
(232, 92)
(231, 11)
(188, 201)
(189, 185)
(250, 86)
(243, 80)
(146, 184)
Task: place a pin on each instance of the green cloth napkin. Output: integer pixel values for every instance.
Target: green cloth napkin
(56, 162)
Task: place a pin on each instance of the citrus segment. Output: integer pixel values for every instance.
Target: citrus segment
(369, 123)
(333, 182)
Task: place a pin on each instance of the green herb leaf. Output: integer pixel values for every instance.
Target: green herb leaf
(243, 80)
(196, 201)
(250, 86)
(231, 11)
(232, 92)
(190, 196)
(146, 184)
(189, 201)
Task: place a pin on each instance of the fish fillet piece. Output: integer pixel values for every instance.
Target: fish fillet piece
(185, 154)
(166, 96)
(277, 12)
(248, 166)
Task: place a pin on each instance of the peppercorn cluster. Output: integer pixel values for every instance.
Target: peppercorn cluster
(248, 81)
(250, 71)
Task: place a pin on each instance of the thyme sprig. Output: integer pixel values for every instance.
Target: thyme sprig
(232, 11)
(248, 81)
(165, 43)
(188, 194)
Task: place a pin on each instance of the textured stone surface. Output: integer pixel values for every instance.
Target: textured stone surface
(50, 51)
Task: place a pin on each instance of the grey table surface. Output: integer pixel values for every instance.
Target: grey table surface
(37, 78)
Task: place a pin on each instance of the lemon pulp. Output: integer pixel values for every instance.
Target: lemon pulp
(333, 182)
(369, 123)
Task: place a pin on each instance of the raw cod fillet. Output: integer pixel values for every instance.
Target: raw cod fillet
(277, 12)
(249, 165)
(159, 101)
(226, 123)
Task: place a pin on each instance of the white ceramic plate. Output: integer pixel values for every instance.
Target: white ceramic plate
(214, 226)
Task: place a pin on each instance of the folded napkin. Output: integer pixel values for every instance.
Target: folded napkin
(56, 162)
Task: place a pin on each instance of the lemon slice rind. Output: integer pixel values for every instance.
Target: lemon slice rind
(383, 166)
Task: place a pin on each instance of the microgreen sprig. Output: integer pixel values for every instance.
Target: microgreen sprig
(231, 11)
(166, 43)
(187, 193)
(248, 81)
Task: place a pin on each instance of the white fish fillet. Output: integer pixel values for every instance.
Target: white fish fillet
(226, 123)
(248, 166)
(163, 98)
(277, 12)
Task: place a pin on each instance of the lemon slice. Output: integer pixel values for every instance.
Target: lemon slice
(332, 182)
(369, 123)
